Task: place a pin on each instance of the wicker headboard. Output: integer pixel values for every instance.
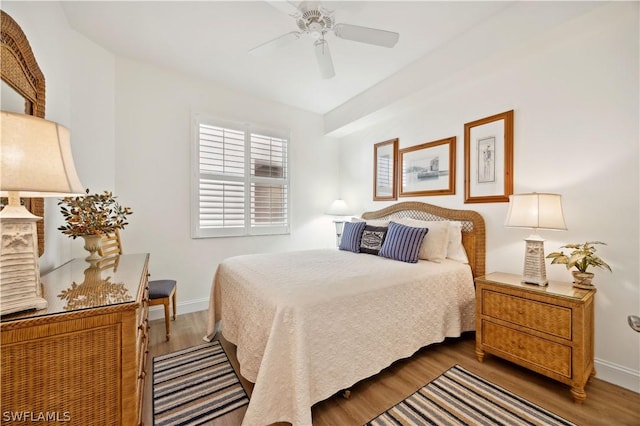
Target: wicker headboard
(473, 230)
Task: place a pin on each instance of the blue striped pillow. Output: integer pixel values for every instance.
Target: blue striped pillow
(403, 242)
(351, 235)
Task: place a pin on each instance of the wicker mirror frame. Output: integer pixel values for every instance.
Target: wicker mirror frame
(21, 71)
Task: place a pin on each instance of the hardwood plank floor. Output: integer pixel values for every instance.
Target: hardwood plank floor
(606, 404)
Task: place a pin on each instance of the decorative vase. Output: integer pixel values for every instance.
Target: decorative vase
(92, 244)
(582, 279)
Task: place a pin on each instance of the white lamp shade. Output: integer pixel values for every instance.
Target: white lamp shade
(339, 208)
(535, 210)
(36, 158)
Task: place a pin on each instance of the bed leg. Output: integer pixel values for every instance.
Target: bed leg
(346, 393)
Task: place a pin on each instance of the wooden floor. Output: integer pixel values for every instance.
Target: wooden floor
(606, 404)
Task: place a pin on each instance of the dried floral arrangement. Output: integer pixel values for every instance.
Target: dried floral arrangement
(92, 214)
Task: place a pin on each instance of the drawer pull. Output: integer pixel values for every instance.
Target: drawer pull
(142, 375)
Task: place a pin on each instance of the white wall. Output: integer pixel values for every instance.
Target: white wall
(574, 89)
(79, 80)
(153, 134)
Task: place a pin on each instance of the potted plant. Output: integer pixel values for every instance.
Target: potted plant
(90, 216)
(582, 257)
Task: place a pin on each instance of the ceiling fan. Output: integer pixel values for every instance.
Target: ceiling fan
(315, 21)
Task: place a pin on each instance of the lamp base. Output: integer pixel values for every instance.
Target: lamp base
(534, 267)
(19, 269)
(339, 228)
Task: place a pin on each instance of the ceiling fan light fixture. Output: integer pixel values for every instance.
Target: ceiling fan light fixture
(316, 30)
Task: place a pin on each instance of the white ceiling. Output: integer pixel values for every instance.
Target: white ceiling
(210, 40)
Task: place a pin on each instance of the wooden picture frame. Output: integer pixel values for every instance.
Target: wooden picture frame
(488, 159)
(385, 170)
(428, 169)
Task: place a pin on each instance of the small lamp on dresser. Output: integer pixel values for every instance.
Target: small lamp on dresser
(36, 162)
(535, 211)
(340, 210)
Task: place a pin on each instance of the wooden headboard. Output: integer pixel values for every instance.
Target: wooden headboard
(473, 230)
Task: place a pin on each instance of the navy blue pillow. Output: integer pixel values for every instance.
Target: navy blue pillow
(403, 242)
(351, 235)
(372, 239)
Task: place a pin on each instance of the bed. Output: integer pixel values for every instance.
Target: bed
(310, 323)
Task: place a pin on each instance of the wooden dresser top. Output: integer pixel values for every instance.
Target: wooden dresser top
(77, 286)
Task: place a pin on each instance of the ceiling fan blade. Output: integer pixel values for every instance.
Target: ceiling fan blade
(287, 7)
(325, 63)
(366, 35)
(272, 45)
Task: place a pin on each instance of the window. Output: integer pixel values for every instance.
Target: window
(241, 184)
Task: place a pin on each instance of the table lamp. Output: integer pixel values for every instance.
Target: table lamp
(36, 161)
(535, 211)
(339, 209)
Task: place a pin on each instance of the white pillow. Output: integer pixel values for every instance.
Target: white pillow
(434, 245)
(455, 249)
(372, 222)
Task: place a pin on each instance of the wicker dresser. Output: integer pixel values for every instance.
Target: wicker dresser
(81, 360)
(546, 329)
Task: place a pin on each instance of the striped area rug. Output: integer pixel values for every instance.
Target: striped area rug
(195, 385)
(459, 397)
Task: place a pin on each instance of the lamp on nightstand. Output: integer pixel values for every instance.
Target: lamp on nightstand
(535, 211)
(339, 209)
(36, 161)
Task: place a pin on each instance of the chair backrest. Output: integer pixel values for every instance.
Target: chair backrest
(111, 244)
(109, 263)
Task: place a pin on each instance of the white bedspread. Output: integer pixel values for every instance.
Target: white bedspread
(308, 324)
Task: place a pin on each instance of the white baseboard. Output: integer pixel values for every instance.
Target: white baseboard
(157, 312)
(618, 375)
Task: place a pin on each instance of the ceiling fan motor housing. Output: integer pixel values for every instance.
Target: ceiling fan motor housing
(315, 23)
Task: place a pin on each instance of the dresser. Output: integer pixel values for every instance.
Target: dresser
(82, 359)
(546, 329)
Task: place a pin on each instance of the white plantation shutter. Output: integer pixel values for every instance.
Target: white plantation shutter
(241, 185)
(268, 182)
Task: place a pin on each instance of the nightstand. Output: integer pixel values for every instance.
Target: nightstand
(545, 329)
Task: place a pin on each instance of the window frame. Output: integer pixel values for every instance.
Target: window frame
(248, 229)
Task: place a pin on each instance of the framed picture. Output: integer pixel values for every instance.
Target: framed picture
(488, 159)
(385, 170)
(428, 169)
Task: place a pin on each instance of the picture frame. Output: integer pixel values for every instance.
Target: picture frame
(385, 170)
(488, 159)
(428, 169)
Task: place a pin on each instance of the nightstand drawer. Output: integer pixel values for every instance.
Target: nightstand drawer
(544, 317)
(530, 349)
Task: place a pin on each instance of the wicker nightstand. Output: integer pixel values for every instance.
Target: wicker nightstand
(546, 329)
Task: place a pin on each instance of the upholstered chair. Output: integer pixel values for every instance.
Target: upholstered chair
(161, 292)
